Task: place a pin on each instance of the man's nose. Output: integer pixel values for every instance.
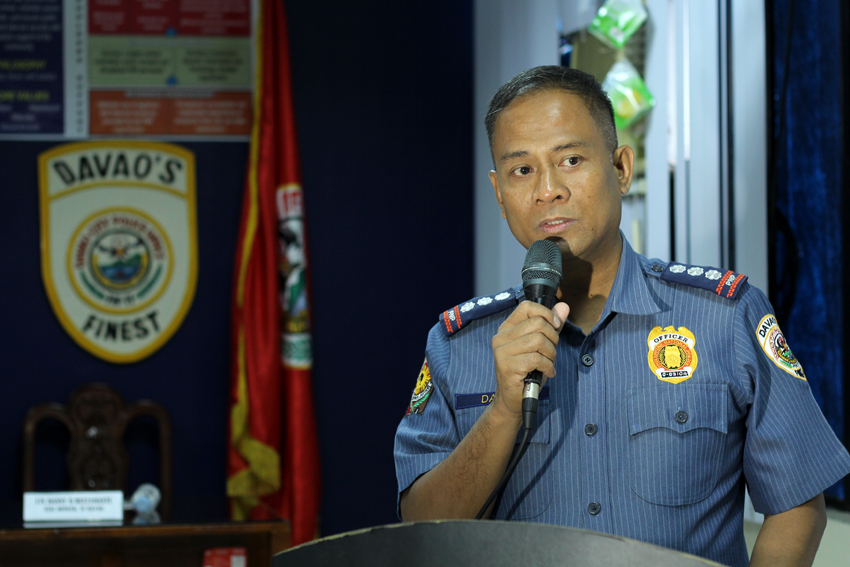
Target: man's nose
(550, 185)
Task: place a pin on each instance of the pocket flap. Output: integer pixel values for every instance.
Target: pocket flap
(679, 407)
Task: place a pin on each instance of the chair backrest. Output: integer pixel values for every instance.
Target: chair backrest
(96, 417)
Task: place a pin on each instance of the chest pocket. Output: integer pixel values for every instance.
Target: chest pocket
(527, 494)
(677, 438)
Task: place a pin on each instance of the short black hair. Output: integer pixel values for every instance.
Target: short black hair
(552, 77)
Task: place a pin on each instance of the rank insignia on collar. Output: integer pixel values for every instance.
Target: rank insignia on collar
(672, 356)
(724, 283)
(422, 392)
(773, 343)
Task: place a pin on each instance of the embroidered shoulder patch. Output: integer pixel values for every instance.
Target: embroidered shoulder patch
(454, 319)
(672, 356)
(724, 283)
(773, 343)
(422, 392)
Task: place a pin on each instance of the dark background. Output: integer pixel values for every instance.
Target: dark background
(808, 208)
(383, 101)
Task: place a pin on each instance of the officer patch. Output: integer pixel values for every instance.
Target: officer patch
(422, 393)
(773, 343)
(672, 357)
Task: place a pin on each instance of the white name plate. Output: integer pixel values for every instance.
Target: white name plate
(80, 506)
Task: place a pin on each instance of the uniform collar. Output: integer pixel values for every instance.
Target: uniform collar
(630, 292)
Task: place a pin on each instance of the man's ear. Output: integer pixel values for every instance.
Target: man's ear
(624, 162)
(494, 180)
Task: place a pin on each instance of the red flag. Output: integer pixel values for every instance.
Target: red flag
(273, 463)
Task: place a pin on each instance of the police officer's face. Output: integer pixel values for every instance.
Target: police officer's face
(555, 178)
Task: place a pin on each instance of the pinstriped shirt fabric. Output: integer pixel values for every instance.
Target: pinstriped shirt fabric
(662, 462)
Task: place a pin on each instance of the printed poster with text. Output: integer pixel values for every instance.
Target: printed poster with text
(100, 68)
(32, 74)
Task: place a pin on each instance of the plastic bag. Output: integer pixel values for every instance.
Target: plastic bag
(617, 20)
(629, 95)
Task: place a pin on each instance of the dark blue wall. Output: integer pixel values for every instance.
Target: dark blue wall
(383, 97)
(41, 363)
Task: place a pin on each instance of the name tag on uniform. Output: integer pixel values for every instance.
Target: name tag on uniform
(463, 401)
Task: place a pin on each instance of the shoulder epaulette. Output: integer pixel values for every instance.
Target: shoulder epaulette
(724, 283)
(454, 319)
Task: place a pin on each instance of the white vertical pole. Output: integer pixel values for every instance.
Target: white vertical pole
(749, 102)
(75, 57)
(659, 77)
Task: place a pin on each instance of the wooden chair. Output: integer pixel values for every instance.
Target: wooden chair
(96, 417)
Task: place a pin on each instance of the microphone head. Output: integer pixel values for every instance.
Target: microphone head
(541, 273)
(542, 262)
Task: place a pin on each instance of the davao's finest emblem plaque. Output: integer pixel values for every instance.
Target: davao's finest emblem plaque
(119, 243)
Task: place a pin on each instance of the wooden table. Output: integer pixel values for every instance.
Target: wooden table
(162, 545)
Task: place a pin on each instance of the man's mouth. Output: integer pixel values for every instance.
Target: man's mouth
(553, 226)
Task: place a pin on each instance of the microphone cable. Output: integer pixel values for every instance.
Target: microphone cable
(541, 276)
(517, 454)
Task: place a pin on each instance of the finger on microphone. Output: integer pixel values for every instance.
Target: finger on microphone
(562, 311)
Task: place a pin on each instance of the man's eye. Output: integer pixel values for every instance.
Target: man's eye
(524, 170)
(573, 161)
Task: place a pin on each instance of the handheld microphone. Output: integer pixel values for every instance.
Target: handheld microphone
(541, 277)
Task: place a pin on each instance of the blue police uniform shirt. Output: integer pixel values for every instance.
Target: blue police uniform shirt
(683, 392)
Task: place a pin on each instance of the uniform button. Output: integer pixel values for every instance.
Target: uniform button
(590, 429)
(594, 508)
(587, 360)
(657, 268)
(681, 417)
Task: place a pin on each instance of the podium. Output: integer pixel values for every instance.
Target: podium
(470, 543)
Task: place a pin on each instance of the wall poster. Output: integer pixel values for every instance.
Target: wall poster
(153, 68)
(117, 205)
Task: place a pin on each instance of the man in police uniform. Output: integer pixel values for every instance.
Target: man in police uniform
(670, 385)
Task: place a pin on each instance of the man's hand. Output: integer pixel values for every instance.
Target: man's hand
(791, 538)
(461, 483)
(525, 342)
